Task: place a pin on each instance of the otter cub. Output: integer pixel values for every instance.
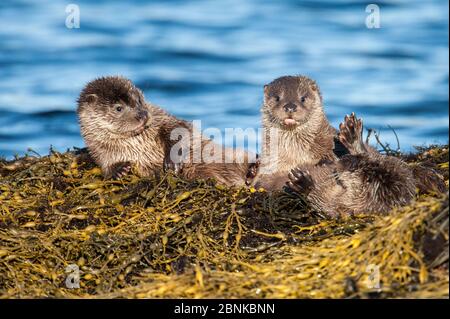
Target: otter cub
(363, 181)
(120, 130)
(117, 126)
(338, 173)
(296, 129)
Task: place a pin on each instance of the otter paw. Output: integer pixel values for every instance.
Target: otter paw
(121, 169)
(170, 165)
(324, 162)
(300, 181)
(252, 171)
(350, 134)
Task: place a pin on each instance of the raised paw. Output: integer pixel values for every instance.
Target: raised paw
(350, 134)
(300, 181)
(252, 171)
(121, 169)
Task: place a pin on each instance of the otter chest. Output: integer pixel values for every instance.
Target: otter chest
(294, 151)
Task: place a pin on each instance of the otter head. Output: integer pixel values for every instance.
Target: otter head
(290, 101)
(112, 107)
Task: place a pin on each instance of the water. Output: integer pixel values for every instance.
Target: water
(210, 60)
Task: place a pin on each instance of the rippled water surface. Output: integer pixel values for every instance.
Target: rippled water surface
(209, 60)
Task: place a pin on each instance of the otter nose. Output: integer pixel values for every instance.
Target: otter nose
(290, 107)
(142, 115)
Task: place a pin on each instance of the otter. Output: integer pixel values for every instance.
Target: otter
(122, 130)
(335, 170)
(362, 181)
(296, 130)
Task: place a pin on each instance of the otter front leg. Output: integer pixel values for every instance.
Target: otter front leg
(169, 164)
(350, 134)
(300, 181)
(253, 169)
(175, 156)
(118, 170)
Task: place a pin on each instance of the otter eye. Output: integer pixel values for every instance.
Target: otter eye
(303, 99)
(277, 98)
(119, 109)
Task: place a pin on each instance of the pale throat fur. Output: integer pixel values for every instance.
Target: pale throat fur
(293, 147)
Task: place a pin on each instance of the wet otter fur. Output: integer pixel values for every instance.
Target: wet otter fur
(122, 130)
(336, 171)
(363, 181)
(296, 130)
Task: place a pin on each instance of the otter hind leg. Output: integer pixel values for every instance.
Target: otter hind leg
(170, 165)
(350, 134)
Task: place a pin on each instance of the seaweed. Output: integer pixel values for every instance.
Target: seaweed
(163, 237)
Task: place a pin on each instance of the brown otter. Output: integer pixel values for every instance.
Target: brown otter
(120, 130)
(337, 172)
(363, 181)
(296, 129)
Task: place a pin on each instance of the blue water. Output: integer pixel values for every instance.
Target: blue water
(209, 60)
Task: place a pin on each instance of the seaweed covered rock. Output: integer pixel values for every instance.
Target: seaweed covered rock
(166, 237)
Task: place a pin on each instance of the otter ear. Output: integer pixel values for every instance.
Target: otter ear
(91, 98)
(315, 88)
(266, 93)
(266, 90)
